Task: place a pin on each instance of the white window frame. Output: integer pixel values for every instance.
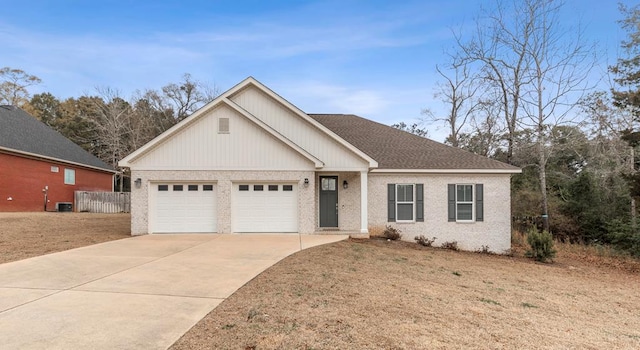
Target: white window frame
(472, 202)
(412, 202)
(69, 176)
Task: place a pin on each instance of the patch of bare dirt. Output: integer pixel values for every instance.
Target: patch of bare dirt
(374, 294)
(25, 235)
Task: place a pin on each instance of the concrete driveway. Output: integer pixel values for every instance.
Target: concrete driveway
(136, 293)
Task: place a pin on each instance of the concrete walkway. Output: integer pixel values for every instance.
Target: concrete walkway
(137, 293)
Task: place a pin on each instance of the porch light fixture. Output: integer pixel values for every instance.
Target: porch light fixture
(345, 184)
(138, 182)
(306, 182)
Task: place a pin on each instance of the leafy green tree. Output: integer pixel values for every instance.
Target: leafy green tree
(45, 107)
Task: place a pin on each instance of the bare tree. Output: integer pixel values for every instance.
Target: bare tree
(538, 69)
(500, 47)
(14, 84)
(458, 92)
(188, 96)
(111, 124)
(560, 64)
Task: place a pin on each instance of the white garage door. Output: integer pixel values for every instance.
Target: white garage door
(264, 207)
(183, 208)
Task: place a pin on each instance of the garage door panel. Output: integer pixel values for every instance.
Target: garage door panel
(184, 211)
(268, 210)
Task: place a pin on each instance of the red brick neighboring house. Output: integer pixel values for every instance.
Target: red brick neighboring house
(40, 169)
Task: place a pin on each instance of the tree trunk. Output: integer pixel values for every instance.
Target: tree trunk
(633, 200)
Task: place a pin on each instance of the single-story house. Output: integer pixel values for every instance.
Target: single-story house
(40, 169)
(250, 161)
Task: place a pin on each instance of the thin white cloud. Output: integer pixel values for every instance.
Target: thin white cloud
(327, 98)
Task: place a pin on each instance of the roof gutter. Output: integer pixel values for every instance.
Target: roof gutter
(514, 170)
(39, 156)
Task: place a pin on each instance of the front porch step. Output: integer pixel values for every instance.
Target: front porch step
(352, 234)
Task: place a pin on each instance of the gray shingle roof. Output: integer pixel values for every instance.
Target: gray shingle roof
(397, 149)
(21, 132)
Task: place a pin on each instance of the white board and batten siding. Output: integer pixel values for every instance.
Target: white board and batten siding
(183, 207)
(335, 156)
(201, 147)
(264, 207)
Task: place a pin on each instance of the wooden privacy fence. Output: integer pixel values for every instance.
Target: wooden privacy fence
(102, 202)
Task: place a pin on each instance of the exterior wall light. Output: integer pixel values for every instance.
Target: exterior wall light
(138, 182)
(345, 184)
(306, 182)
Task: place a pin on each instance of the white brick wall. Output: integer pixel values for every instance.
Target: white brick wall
(494, 231)
(223, 180)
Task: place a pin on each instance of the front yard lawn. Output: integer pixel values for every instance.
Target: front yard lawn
(374, 294)
(25, 235)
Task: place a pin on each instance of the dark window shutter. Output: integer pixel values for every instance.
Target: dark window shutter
(451, 189)
(419, 202)
(391, 203)
(479, 202)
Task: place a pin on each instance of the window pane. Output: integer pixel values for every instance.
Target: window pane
(465, 211)
(192, 187)
(177, 187)
(258, 187)
(243, 188)
(400, 196)
(404, 193)
(465, 193)
(328, 184)
(163, 187)
(69, 176)
(273, 187)
(287, 188)
(207, 187)
(405, 211)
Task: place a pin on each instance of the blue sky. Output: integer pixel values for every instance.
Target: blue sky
(372, 58)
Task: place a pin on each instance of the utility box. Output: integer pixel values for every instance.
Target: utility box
(64, 206)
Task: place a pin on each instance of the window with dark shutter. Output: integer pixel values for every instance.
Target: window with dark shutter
(465, 202)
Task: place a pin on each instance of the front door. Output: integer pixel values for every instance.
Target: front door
(328, 201)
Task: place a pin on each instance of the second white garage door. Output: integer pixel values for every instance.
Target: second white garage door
(264, 207)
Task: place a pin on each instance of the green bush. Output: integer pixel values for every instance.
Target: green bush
(623, 237)
(541, 244)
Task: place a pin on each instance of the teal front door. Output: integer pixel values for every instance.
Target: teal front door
(328, 201)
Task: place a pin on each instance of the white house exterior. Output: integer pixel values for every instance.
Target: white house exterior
(250, 161)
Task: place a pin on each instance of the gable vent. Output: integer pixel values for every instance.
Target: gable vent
(223, 125)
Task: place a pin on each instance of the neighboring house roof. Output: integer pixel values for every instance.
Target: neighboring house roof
(22, 133)
(395, 149)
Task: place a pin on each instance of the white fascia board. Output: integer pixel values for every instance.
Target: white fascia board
(372, 162)
(58, 160)
(317, 162)
(447, 171)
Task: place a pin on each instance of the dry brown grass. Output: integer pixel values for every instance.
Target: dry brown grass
(25, 235)
(374, 294)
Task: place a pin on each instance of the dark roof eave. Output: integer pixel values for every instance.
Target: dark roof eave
(57, 160)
